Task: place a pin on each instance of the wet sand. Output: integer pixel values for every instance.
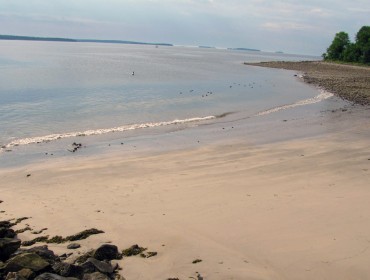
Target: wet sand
(347, 81)
(290, 209)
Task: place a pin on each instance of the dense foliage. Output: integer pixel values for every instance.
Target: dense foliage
(342, 49)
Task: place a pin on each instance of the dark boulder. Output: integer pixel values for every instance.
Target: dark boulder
(88, 267)
(68, 270)
(106, 252)
(73, 246)
(100, 266)
(27, 260)
(8, 246)
(44, 253)
(7, 232)
(5, 224)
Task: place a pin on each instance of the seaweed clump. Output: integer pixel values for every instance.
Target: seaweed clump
(83, 234)
(133, 251)
(59, 239)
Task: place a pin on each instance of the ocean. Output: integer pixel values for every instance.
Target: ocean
(54, 94)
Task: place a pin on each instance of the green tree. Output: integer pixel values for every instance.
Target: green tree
(352, 53)
(338, 46)
(363, 44)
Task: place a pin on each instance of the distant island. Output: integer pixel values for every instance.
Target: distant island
(244, 49)
(27, 38)
(52, 39)
(206, 47)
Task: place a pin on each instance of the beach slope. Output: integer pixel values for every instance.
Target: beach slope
(295, 210)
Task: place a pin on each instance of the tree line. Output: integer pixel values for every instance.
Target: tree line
(342, 49)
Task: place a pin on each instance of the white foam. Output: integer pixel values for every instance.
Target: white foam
(53, 137)
(322, 96)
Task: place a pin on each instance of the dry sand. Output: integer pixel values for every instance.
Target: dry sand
(297, 209)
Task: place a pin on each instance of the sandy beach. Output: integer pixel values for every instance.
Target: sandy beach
(291, 208)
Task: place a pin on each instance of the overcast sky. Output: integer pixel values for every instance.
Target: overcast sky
(292, 26)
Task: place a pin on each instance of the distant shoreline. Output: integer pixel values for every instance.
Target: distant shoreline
(347, 81)
(52, 39)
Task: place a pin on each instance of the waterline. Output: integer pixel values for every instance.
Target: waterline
(57, 136)
(322, 96)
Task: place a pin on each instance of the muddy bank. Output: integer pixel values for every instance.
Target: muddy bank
(347, 81)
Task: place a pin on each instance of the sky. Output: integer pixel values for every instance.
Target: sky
(291, 26)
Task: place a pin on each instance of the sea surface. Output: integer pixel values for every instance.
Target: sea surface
(55, 93)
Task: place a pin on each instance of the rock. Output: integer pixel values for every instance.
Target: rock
(26, 273)
(7, 247)
(68, 270)
(95, 276)
(73, 246)
(27, 260)
(106, 252)
(7, 232)
(5, 224)
(14, 276)
(88, 267)
(51, 276)
(83, 258)
(98, 265)
(65, 256)
(44, 253)
(23, 274)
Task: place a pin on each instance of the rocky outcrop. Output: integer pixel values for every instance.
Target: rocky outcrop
(41, 263)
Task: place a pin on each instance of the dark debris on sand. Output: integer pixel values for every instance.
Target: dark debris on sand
(40, 263)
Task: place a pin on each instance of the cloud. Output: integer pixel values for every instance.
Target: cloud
(359, 10)
(318, 12)
(283, 26)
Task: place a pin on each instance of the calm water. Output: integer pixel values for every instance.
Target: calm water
(51, 90)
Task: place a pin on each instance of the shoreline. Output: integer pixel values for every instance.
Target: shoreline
(278, 197)
(346, 81)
